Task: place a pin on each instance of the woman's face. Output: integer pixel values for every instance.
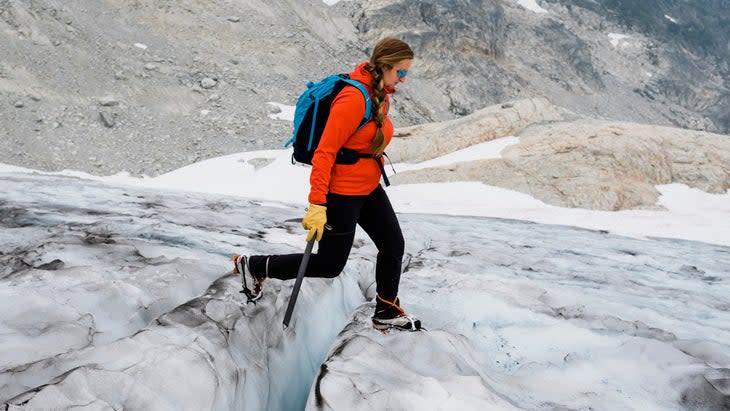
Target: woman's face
(397, 74)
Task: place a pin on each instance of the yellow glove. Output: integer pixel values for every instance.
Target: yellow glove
(314, 221)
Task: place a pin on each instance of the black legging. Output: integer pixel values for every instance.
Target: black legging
(374, 213)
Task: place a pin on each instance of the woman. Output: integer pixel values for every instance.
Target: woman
(343, 195)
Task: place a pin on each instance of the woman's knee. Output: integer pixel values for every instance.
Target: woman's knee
(332, 269)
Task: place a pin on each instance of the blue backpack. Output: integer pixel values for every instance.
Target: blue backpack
(312, 111)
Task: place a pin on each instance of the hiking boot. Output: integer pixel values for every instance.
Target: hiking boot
(251, 284)
(389, 315)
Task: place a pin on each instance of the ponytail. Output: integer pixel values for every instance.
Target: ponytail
(386, 54)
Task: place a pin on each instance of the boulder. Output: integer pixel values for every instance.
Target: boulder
(595, 164)
(423, 142)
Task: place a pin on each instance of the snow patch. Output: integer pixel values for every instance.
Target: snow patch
(285, 112)
(482, 151)
(618, 39)
(531, 5)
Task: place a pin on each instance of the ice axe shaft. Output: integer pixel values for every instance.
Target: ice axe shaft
(298, 283)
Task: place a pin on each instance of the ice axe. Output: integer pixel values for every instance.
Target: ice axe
(298, 283)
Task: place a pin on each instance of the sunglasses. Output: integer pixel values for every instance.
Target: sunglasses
(402, 73)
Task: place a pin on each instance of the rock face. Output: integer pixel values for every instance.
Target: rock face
(581, 163)
(187, 81)
(193, 81)
(629, 61)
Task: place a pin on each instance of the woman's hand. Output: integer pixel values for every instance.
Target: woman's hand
(314, 221)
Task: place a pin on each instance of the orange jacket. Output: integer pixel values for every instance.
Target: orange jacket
(346, 112)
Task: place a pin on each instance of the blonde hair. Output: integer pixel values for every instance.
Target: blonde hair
(386, 54)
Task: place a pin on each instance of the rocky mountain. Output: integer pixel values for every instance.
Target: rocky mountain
(663, 62)
(149, 86)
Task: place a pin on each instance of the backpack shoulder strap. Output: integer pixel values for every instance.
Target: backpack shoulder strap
(365, 94)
